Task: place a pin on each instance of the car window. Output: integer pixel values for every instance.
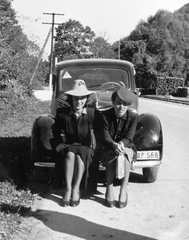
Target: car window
(94, 77)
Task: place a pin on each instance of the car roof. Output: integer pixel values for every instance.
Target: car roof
(95, 62)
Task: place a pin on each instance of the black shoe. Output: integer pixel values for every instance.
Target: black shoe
(109, 204)
(75, 203)
(65, 203)
(123, 204)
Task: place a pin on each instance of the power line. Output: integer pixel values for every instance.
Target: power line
(52, 38)
(40, 55)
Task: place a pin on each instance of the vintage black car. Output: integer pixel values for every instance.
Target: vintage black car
(103, 76)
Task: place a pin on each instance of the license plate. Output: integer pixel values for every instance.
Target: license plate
(141, 155)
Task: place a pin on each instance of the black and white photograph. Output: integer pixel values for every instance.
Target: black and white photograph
(94, 112)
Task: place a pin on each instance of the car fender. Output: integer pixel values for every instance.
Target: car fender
(42, 139)
(148, 135)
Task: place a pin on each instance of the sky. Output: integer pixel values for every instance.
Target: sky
(113, 19)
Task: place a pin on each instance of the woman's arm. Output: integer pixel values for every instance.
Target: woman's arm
(129, 134)
(57, 130)
(106, 137)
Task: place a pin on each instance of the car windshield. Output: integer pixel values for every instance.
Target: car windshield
(93, 77)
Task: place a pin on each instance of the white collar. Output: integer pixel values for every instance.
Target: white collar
(79, 114)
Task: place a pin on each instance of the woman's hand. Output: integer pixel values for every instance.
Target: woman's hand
(118, 147)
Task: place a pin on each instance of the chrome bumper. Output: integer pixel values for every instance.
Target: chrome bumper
(144, 164)
(134, 165)
(44, 164)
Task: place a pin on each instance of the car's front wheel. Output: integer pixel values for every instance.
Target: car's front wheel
(150, 174)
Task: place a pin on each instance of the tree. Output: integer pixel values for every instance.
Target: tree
(102, 49)
(18, 54)
(72, 39)
(159, 46)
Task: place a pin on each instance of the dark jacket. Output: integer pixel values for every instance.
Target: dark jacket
(74, 130)
(116, 130)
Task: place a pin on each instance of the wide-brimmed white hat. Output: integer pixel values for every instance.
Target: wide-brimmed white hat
(79, 89)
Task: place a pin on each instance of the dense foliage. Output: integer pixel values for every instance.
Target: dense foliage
(102, 49)
(159, 46)
(72, 40)
(18, 55)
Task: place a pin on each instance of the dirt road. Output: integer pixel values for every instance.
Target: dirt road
(149, 215)
(158, 210)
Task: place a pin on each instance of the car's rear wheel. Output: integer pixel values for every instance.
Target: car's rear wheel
(150, 174)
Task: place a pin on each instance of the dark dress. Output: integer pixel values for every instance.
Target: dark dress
(75, 135)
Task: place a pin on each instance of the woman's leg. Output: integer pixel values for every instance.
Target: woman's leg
(69, 162)
(78, 174)
(110, 174)
(125, 179)
(124, 182)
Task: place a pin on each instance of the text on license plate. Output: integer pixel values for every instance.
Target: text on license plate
(148, 155)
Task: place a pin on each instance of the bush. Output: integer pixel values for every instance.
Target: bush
(182, 92)
(162, 86)
(168, 85)
(147, 91)
(14, 205)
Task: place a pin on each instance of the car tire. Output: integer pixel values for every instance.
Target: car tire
(150, 174)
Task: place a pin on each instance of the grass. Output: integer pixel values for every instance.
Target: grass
(15, 204)
(19, 187)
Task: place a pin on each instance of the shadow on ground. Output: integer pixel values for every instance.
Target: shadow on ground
(82, 228)
(16, 165)
(15, 158)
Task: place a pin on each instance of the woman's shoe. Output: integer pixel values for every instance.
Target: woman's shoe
(75, 203)
(65, 203)
(109, 204)
(123, 204)
(66, 195)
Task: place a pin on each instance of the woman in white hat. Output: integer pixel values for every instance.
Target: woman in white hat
(75, 154)
(118, 128)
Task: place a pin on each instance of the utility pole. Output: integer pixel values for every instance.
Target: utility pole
(119, 49)
(52, 44)
(39, 56)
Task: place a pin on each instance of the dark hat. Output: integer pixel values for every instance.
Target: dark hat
(126, 95)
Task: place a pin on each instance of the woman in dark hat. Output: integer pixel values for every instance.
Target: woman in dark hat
(118, 127)
(75, 154)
